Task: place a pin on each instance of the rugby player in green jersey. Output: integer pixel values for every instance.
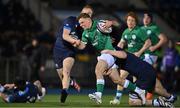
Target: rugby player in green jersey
(156, 36)
(106, 62)
(137, 42)
(162, 91)
(157, 40)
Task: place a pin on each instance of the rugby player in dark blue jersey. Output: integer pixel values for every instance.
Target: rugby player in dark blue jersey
(67, 39)
(68, 36)
(146, 78)
(21, 92)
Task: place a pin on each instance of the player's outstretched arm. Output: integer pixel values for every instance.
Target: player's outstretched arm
(68, 37)
(146, 45)
(162, 40)
(121, 44)
(119, 54)
(9, 86)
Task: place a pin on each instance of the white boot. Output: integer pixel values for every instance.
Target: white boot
(95, 98)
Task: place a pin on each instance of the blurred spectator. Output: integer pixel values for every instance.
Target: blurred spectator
(37, 54)
(170, 66)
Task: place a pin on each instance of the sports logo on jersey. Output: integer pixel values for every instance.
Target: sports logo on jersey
(149, 32)
(67, 24)
(94, 43)
(133, 37)
(125, 36)
(86, 35)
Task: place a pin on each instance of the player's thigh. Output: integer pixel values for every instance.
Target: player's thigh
(60, 55)
(147, 84)
(123, 74)
(68, 63)
(109, 59)
(146, 79)
(59, 70)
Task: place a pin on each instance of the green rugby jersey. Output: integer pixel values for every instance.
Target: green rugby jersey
(98, 40)
(153, 31)
(134, 38)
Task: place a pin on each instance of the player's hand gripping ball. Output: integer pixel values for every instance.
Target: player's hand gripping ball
(102, 28)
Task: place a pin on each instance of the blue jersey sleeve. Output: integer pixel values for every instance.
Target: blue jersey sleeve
(69, 23)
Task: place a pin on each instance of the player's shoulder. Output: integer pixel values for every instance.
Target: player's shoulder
(126, 31)
(138, 28)
(70, 19)
(143, 27)
(154, 26)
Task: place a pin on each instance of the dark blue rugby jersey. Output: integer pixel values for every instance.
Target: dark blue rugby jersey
(135, 66)
(28, 95)
(71, 24)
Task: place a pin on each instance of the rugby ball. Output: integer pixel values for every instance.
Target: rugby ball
(101, 28)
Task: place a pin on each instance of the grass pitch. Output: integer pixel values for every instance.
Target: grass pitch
(72, 101)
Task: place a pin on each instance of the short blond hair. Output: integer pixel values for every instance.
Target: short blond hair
(83, 15)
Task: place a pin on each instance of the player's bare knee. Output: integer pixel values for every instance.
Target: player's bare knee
(117, 81)
(66, 73)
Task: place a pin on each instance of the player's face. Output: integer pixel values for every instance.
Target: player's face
(131, 22)
(146, 19)
(87, 11)
(85, 23)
